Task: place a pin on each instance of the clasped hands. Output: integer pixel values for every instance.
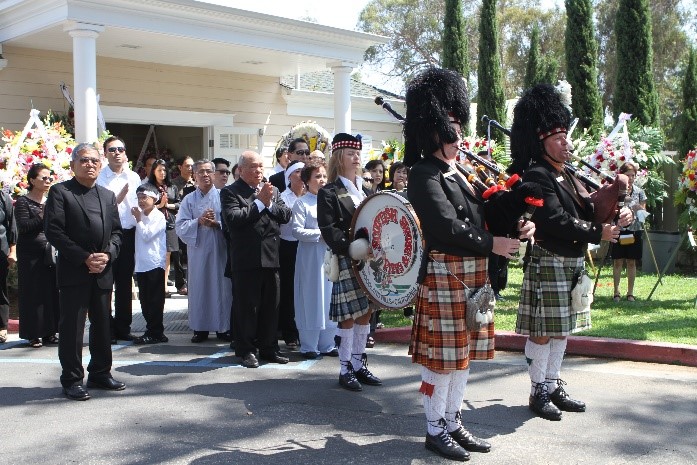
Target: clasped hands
(207, 218)
(96, 262)
(507, 247)
(265, 194)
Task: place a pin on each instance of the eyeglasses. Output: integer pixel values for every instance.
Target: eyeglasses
(89, 160)
(302, 153)
(368, 179)
(205, 172)
(116, 149)
(46, 178)
(225, 172)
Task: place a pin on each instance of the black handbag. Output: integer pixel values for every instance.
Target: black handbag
(50, 255)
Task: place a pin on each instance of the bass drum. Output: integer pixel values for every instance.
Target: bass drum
(389, 224)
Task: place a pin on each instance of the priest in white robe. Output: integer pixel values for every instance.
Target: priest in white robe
(198, 225)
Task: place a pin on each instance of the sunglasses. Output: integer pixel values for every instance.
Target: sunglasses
(225, 172)
(116, 149)
(302, 152)
(89, 160)
(46, 178)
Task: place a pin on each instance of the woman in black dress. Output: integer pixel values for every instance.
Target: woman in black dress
(38, 293)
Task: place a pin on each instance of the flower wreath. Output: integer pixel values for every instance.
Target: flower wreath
(316, 136)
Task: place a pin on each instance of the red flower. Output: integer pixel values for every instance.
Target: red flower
(29, 158)
(29, 135)
(69, 150)
(691, 176)
(384, 156)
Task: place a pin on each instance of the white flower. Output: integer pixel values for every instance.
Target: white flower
(564, 91)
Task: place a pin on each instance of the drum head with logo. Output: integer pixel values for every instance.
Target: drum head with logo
(389, 275)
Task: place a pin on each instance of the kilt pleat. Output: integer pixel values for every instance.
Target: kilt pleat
(545, 297)
(348, 299)
(440, 339)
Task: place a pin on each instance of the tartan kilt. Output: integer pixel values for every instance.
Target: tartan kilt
(545, 297)
(348, 299)
(439, 337)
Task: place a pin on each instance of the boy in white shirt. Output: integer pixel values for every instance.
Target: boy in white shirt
(151, 246)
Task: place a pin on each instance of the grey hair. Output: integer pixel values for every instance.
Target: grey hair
(246, 157)
(81, 148)
(198, 163)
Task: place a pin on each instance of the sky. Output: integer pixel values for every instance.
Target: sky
(336, 13)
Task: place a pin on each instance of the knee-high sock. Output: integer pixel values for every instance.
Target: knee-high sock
(434, 390)
(345, 346)
(537, 356)
(456, 392)
(360, 337)
(556, 356)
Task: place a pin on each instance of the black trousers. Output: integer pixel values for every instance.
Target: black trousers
(76, 303)
(123, 284)
(255, 311)
(286, 306)
(151, 292)
(4, 299)
(175, 260)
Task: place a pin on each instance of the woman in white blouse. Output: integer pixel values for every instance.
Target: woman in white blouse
(313, 290)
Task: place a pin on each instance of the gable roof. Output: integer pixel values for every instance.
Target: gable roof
(323, 81)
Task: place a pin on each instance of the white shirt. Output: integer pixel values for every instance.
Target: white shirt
(115, 182)
(151, 241)
(286, 230)
(356, 193)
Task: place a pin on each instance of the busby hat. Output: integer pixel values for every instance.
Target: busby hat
(542, 111)
(343, 140)
(433, 99)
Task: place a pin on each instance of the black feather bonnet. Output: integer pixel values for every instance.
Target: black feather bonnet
(433, 97)
(539, 113)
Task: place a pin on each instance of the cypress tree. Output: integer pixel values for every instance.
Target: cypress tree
(455, 46)
(635, 91)
(687, 139)
(533, 69)
(490, 98)
(581, 50)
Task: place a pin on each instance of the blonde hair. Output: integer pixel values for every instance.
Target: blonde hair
(334, 168)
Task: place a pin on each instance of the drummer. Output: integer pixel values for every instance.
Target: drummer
(336, 204)
(457, 244)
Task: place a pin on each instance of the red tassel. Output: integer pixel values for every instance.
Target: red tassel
(426, 389)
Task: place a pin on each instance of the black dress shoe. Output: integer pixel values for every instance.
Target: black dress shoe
(275, 357)
(250, 361)
(542, 406)
(162, 338)
(348, 380)
(76, 392)
(145, 339)
(443, 445)
(563, 402)
(226, 336)
(105, 382)
(309, 355)
(365, 376)
(469, 442)
(199, 336)
(332, 353)
(125, 337)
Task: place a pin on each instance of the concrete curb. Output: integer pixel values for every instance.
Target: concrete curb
(625, 349)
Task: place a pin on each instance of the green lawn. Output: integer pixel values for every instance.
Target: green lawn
(670, 315)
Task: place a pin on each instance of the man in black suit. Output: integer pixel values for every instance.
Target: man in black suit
(253, 213)
(81, 221)
(297, 150)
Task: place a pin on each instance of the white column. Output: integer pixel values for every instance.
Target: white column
(85, 78)
(342, 97)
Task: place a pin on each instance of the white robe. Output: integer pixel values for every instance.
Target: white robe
(210, 293)
(313, 291)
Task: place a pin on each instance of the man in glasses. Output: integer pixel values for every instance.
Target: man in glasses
(81, 220)
(119, 179)
(222, 172)
(297, 150)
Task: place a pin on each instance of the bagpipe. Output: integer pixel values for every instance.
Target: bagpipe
(506, 198)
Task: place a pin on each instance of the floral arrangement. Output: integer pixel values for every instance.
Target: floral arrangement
(44, 142)
(629, 141)
(316, 136)
(686, 196)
